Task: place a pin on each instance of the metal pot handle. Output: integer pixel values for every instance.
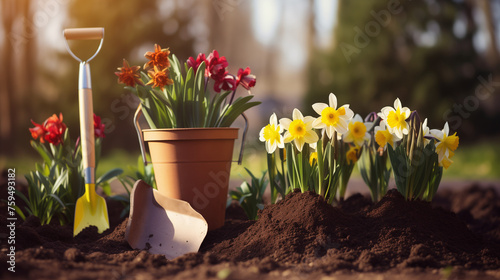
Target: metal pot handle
(138, 129)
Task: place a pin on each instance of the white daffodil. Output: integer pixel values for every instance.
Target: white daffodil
(299, 130)
(332, 119)
(447, 144)
(426, 132)
(271, 134)
(357, 131)
(396, 118)
(384, 136)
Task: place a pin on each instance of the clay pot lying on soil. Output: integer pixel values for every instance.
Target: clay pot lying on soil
(301, 237)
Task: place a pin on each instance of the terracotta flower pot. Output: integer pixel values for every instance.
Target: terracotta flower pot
(193, 164)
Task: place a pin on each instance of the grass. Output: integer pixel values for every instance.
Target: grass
(478, 161)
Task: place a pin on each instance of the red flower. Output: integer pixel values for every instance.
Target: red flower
(38, 131)
(227, 83)
(129, 75)
(55, 129)
(158, 58)
(191, 62)
(245, 78)
(98, 127)
(216, 66)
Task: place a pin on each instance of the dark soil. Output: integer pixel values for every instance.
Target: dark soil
(302, 237)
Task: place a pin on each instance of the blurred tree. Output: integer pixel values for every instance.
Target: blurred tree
(17, 56)
(419, 51)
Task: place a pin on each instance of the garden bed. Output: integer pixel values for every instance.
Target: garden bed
(301, 237)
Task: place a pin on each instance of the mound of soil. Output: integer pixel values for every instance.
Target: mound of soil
(300, 236)
(303, 228)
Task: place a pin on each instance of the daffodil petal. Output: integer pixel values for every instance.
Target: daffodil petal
(397, 103)
(299, 143)
(285, 122)
(385, 112)
(273, 119)
(332, 100)
(311, 137)
(297, 115)
(319, 107)
(287, 138)
(446, 129)
(317, 123)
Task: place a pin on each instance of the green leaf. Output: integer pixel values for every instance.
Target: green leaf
(113, 173)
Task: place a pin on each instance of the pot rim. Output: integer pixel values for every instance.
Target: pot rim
(197, 133)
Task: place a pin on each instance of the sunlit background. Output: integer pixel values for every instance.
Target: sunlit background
(441, 58)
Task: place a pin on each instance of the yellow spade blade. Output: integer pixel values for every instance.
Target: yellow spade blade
(91, 210)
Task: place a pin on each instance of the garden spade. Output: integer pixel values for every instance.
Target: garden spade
(91, 209)
(163, 225)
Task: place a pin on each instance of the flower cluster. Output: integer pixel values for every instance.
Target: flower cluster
(395, 125)
(337, 139)
(52, 129)
(58, 181)
(172, 93)
(216, 69)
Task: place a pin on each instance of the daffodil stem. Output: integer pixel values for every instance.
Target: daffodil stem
(320, 166)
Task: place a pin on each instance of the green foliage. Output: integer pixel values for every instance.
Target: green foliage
(374, 166)
(296, 170)
(139, 172)
(56, 183)
(415, 165)
(375, 170)
(251, 195)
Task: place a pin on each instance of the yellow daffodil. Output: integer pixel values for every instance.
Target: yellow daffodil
(271, 134)
(353, 155)
(446, 161)
(357, 131)
(332, 119)
(313, 158)
(299, 130)
(396, 118)
(446, 144)
(384, 136)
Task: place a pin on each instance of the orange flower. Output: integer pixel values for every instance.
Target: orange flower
(129, 75)
(159, 78)
(158, 58)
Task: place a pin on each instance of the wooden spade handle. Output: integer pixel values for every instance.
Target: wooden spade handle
(93, 33)
(87, 130)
